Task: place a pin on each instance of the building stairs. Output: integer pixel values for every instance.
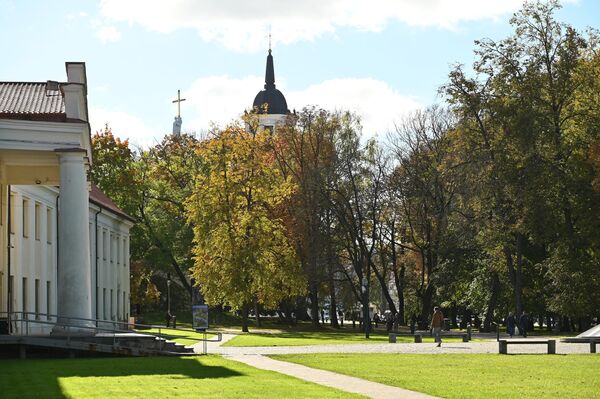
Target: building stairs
(123, 344)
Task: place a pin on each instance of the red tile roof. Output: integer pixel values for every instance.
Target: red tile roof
(102, 200)
(31, 101)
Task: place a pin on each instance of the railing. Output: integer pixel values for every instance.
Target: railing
(21, 321)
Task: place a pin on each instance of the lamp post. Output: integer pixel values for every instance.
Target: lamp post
(169, 298)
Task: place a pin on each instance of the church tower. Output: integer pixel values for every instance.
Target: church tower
(270, 103)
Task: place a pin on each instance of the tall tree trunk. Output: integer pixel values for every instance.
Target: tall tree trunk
(333, 303)
(256, 313)
(245, 318)
(519, 275)
(494, 293)
(426, 303)
(331, 262)
(366, 312)
(384, 290)
(314, 304)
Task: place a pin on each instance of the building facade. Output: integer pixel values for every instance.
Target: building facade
(65, 246)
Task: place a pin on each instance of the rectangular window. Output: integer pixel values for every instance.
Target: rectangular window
(112, 249)
(118, 244)
(2, 289)
(13, 209)
(25, 217)
(11, 288)
(104, 303)
(49, 225)
(118, 303)
(104, 245)
(124, 308)
(112, 307)
(37, 299)
(125, 254)
(38, 220)
(48, 300)
(24, 307)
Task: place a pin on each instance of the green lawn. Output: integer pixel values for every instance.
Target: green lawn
(298, 338)
(199, 377)
(468, 376)
(182, 337)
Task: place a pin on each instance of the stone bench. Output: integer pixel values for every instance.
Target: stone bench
(503, 344)
(593, 341)
(419, 337)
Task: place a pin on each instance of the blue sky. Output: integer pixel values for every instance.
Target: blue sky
(381, 58)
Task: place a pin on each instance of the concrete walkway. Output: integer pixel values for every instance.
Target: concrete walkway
(327, 378)
(423, 348)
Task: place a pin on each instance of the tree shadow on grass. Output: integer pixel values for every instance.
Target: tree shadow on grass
(40, 378)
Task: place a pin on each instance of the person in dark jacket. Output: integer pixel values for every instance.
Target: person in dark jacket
(510, 324)
(437, 321)
(523, 324)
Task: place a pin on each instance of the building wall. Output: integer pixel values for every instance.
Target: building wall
(34, 257)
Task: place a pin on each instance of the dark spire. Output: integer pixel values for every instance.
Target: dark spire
(270, 73)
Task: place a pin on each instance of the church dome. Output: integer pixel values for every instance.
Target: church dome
(274, 99)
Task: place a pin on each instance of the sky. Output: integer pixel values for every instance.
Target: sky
(380, 58)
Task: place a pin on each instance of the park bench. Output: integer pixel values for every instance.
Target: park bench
(503, 344)
(419, 337)
(593, 341)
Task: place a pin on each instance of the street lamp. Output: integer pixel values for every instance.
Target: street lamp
(168, 298)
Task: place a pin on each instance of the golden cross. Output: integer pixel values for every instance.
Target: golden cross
(178, 101)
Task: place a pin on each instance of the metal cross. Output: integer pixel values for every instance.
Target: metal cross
(178, 101)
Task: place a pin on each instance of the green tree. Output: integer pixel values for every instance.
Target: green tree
(242, 252)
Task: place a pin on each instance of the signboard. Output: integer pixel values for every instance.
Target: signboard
(200, 317)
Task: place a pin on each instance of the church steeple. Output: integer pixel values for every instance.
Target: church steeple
(270, 96)
(270, 73)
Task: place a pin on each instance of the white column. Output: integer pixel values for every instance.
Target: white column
(74, 279)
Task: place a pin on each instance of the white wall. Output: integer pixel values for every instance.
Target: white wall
(34, 257)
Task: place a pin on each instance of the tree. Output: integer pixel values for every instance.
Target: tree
(525, 128)
(242, 254)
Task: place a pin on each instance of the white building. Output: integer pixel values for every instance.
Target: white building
(69, 243)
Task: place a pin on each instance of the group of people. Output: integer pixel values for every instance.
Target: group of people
(437, 322)
(511, 324)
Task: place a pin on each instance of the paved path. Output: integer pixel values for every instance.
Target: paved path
(334, 380)
(423, 348)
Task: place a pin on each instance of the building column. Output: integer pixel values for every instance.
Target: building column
(74, 272)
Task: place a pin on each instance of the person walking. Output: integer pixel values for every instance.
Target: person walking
(437, 321)
(523, 324)
(510, 324)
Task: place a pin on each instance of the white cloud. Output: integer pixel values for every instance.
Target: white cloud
(218, 99)
(124, 126)
(221, 99)
(108, 34)
(244, 25)
(376, 102)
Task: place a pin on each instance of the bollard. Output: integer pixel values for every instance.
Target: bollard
(392, 338)
(469, 332)
(418, 338)
(465, 338)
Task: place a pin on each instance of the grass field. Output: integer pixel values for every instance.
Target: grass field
(467, 376)
(182, 337)
(202, 377)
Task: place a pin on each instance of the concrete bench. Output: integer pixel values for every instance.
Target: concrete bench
(593, 341)
(392, 337)
(503, 344)
(419, 337)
